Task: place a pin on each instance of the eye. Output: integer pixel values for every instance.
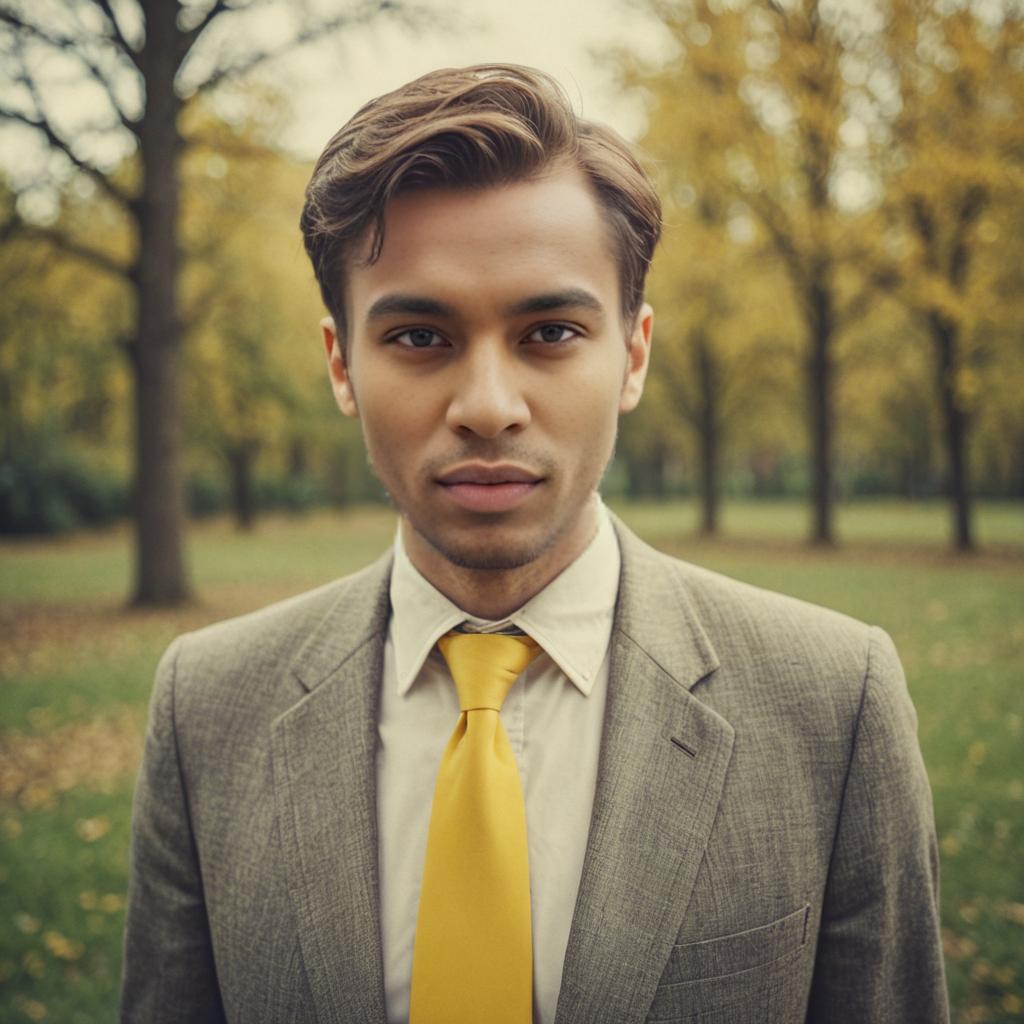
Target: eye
(553, 334)
(418, 337)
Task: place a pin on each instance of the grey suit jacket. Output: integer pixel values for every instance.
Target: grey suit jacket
(761, 849)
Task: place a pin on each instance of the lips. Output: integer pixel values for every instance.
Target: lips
(482, 473)
(479, 487)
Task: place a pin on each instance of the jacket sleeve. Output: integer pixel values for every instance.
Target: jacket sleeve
(879, 956)
(169, 973)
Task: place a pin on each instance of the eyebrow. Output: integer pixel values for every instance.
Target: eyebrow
(421, 305)
(417, 305)
(545, 303)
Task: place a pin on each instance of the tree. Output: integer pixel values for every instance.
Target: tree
(62, 426)
(254, 357)
(954, 172)
(720, 325)
(762, 83)
(141, 60)
(719, 317)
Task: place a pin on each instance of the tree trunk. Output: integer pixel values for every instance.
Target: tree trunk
(955, 426)
(161, 575)
(819, 396)
(298, 459)
(658, 467)
(241, 458)
(645, 474)
(708, 433)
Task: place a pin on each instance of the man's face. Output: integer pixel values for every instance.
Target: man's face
(488, 363)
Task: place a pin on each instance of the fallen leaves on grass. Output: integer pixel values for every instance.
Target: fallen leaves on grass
(1012, 912)
(26, 923)
(34, 964)
(62, 947)
(39, 639)
(957, 947)
(32, 1008)
(91, 829)
(109, 903)
(970, 913)
(98, 753)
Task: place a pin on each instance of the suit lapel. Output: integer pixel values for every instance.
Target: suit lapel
(663, 761)
(324, 756)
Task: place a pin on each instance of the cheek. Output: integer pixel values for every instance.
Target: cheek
(393, 410)
(588, 407)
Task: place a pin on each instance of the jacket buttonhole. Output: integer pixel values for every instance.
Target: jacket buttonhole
(684, 747)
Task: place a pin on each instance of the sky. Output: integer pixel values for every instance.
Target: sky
(333, 79)
(327, 81)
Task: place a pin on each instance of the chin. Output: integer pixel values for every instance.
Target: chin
(488, 556)
(493, 550)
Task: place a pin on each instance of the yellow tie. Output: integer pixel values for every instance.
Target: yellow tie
(473, 962)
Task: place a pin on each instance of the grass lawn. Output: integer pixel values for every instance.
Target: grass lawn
(76, 670)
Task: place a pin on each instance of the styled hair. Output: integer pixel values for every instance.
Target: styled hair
(473, 127)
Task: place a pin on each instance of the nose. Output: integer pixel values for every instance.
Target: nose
(488, 397)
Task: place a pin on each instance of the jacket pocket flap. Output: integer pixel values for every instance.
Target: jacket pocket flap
(741, 951)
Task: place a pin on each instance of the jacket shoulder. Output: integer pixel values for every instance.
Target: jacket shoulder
(769, 648)
(730, 609)
(252, 652)
(772, 620)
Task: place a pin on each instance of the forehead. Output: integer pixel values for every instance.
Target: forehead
(491, 245)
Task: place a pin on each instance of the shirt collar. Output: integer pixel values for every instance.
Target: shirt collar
(571, 618)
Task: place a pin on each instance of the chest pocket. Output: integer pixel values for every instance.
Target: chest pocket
(750, 976)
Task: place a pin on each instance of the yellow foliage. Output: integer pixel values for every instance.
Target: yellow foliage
(873, 167)
(253, 355)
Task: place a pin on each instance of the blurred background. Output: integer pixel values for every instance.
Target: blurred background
(835, 408)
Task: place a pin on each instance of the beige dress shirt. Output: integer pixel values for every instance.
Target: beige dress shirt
(553, 716)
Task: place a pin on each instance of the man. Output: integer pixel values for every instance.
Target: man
(691, 800)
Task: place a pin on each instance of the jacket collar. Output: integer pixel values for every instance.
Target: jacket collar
(357, 615)
(656, 613)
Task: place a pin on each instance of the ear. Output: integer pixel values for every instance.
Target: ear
(638, 359)
(337, 370)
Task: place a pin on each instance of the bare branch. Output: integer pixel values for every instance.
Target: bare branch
(924, 222)
(116, 34)
(970, 209)
(69, 45)
(197, 30)
(679, 384)
(201, 308)
(881, 280)
(359, 16)
(16, 228)
(42, 125)
(772, 218)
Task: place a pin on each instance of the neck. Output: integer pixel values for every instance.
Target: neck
(496, 593)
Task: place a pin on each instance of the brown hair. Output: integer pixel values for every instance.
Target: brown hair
(469, 127)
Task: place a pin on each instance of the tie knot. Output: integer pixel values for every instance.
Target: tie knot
(485, 665)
